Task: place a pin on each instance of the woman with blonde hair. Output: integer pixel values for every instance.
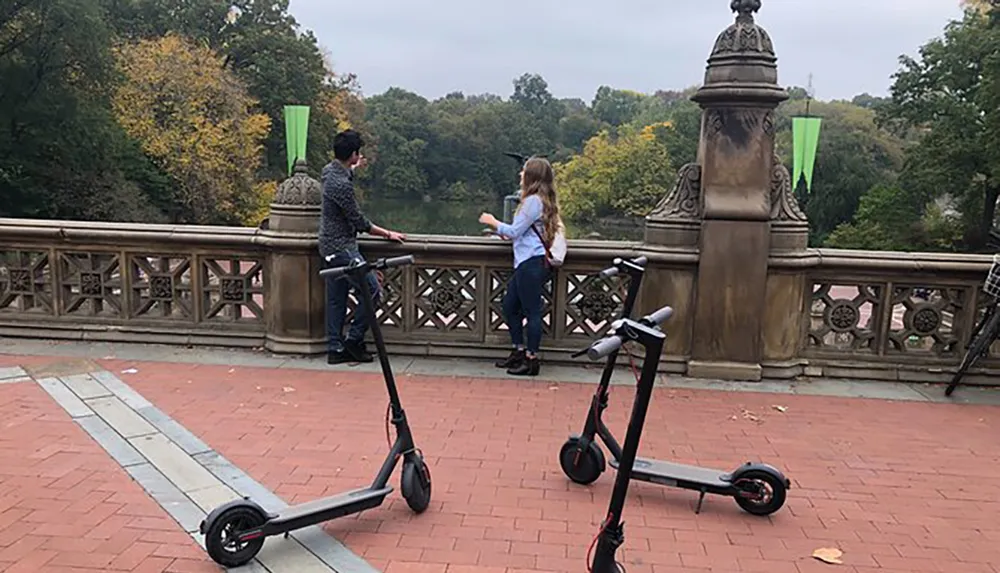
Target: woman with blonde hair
(535, 226)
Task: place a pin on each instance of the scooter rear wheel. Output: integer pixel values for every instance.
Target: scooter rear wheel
(769, 498)
(220, 540)
(581, 465)
(415, 483)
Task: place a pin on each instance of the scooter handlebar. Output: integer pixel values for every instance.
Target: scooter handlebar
(337, 272)
(333, 272)
(603, 347)
(399, 261)
(613, 271)
(658, 317)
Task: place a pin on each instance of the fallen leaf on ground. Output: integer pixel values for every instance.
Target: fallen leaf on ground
(780, 408)
(829, 555)
(287, 389)
(130, 371)
(748, 415)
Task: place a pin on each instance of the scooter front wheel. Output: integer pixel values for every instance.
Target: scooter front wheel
(760, 493)
(415, 482)
(581, 465)
(221, 539)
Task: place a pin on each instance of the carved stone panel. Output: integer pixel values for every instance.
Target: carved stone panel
(924, 320)
(784, 205)
(91, 284)
(444, 299)
(684, 200)
(592, 303)
(25, 283)
(161, 286)
(232, 289)
(844, 317)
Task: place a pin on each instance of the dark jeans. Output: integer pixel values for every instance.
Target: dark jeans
(336, 301)
(523, 300)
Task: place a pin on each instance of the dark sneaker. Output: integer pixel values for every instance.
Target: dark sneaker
(516, 357)
(527, 367)
(357, 351)
(338, 357)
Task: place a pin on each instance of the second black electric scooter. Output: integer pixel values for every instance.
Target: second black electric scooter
(758, 488)
(235, 532)
(647, 333)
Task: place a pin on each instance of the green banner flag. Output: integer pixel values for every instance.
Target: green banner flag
(805, 140)
(296, 133)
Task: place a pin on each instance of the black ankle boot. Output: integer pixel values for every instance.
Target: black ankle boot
(528, 367)
(515, 358)
(357, 351)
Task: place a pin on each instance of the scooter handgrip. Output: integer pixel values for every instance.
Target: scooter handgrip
(640, 261)
(657, 318)
(609, 272)
(604, 347)
(333, 272)
(399, 261)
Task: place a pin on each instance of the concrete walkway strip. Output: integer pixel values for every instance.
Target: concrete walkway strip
(178, 470)
(13, 375)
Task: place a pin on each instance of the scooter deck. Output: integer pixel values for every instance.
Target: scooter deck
(676, 475)
(327, 508)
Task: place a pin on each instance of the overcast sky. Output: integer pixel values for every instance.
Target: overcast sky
(434, 47)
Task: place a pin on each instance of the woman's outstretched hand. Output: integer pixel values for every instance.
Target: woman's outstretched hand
(488, 219)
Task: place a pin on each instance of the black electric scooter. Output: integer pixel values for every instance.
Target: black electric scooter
(647, 333)
(234, 532)
(758, 488)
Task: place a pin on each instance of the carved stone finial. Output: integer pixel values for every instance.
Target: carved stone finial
(745, 8)
(299, 189)
(784, 205)
(684, 200)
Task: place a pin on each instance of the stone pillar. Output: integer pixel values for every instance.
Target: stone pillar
(736, 154)
(296, 307)
(787, 282)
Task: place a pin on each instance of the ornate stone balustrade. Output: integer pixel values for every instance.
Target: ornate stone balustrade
(828, 312)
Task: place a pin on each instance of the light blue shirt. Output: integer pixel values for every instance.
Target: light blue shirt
(526, 242)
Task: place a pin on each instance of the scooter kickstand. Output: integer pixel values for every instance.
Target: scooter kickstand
(701, 498)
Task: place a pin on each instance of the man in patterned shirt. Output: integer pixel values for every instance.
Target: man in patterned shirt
(339, 226)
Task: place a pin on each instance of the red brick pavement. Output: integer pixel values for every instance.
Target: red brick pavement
(897, 486)
(67, 507)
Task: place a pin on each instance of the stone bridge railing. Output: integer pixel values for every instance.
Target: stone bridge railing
(827, 312)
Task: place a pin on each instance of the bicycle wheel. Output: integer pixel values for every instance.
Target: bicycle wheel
(983, 337)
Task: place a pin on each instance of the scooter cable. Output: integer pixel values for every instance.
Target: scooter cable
(590, 550)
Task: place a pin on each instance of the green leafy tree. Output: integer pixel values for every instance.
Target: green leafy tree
(61, 153)
(854, 155)
(617, 176)
(951, 95)
(262, 43)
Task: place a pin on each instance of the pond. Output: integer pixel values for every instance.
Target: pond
(462, 218)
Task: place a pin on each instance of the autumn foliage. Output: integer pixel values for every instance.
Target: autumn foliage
(196, 120)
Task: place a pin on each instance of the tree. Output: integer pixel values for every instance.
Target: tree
(621, 176)
(616, 107)
(950, 93)
(854, 155)
(61, 153)
(194, 118)
(261, 43)
(887, 219)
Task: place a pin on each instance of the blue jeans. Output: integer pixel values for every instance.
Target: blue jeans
(523, 300)
(336, 301)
